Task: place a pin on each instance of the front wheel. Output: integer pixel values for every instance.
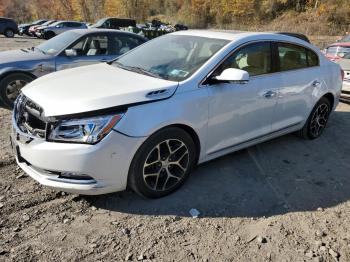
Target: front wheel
(317, 120)
(49, 35)
(162, 163)
(10, 87)
(9, 33)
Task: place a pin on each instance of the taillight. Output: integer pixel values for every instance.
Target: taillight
(342, 74)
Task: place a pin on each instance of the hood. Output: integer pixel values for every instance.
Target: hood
(94, 87)
(344, 64)
(16, 56)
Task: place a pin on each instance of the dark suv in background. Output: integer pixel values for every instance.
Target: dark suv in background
(8, 27)
(114, 23)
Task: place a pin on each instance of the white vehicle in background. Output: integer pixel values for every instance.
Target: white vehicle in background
(344, 63)
(146, 120)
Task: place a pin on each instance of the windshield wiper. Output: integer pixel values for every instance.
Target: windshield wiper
(138, 70)
(40, 50)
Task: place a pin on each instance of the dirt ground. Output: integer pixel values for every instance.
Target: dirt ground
(284, 200)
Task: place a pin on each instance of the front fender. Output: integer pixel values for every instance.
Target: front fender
(187, 108)
(35, 69)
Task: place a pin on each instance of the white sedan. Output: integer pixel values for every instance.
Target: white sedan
(147, 119)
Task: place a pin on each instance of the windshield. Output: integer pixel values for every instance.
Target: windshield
(171, 57)
(58, 43)
(48, 23)
(56, 23)
(338, 51)
(100, 22)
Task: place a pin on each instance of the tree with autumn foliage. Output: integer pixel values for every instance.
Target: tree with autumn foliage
(234, 14)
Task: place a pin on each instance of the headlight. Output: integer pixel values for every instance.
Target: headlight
(85, 130)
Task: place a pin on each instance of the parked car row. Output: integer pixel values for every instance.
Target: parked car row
(48, 29)
(70, 49)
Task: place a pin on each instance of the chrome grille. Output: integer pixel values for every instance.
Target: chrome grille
(29, 117)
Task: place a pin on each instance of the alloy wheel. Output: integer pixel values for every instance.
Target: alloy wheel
(166, 165)
(319, 120)
(13, 89)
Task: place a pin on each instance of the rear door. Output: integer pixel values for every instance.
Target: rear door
(299, 70)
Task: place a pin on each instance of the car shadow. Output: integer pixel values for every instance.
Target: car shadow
(283, 175)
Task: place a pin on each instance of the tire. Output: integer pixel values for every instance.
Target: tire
(317, 120)
(152, 177)
(49, 35)
(9, 33)
(10, 87)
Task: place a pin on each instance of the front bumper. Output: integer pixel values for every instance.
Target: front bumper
(346, 85)
(106, 163)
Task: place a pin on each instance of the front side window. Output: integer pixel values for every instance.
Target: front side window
(171, 57)
(92, 46)
(254, 58)
(58, 43)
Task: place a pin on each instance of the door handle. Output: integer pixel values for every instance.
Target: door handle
(316, 83)
(270, 94)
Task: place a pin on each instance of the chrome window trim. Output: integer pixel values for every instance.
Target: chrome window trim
(200, 85)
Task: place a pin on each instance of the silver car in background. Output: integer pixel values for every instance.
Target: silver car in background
(68, 50)
(61, 27)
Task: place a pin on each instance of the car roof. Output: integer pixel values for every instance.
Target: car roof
(98, 30)
(233, 35)
(6, 18)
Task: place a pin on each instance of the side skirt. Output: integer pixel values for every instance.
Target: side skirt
(251, 142)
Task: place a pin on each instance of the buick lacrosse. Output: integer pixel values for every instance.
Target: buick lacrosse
(147, 119)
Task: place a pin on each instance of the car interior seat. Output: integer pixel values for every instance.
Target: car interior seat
(95, 48)
(291, 60)
(257, 63)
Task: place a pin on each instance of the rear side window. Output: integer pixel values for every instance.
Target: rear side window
(121, 44)
(73, 24)
(293, 57)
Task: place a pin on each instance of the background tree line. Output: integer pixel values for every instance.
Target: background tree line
(320, 15)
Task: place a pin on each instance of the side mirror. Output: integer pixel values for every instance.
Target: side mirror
(233, 75)
(57, 26)
(71, 52)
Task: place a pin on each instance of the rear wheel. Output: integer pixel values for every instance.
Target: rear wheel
(162, 163)
(10, 87)
(9, 33)
(49, 35)
(317, 120)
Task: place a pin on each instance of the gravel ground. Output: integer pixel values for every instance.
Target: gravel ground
(283, 200)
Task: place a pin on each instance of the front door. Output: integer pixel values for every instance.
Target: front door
(88, 50)
(238, 112)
